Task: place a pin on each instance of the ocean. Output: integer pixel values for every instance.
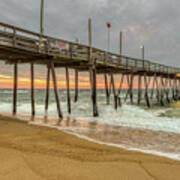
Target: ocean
(153, 130)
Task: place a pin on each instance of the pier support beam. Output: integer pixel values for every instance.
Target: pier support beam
(161, 92)
(120, 89)
(94, 91)
(173, 90)
(68, 91)
(157, 90)
(176, 89)
(139, 89)
(114, 92)
(56, 91)
(32, 91)
(179, 89)
(130, 79)
(131, 88)
(106, 89)
(76, 85)
(146, 91)
(153, 86)
(128, 90)
(166, 89)
(15, 88)
(47, 89)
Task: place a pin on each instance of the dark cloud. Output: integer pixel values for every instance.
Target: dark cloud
(154, 23)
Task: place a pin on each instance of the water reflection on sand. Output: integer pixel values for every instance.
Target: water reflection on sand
(144, 139)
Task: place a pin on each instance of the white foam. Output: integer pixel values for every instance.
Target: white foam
(153, 152)
(127, 115)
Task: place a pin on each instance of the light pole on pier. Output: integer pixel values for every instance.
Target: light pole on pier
(143, 52)
(121, 34)
(109, 33)
(89, 32)
(42, 18)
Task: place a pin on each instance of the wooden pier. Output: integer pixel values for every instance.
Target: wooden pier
(18, 46)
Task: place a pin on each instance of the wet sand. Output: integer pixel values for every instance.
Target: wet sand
(176, 104)
(30, 152)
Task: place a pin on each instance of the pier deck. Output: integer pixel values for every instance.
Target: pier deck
(18, 45)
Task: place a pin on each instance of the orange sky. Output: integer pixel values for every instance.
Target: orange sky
(6, 81)
(24, 82)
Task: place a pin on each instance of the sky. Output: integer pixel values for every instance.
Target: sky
(152, 23)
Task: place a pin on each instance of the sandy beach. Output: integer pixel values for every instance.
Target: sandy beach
(30, 152)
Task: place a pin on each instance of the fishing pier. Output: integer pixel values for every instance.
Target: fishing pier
(20, 46)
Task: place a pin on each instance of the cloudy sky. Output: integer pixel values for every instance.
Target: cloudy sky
(154, 23)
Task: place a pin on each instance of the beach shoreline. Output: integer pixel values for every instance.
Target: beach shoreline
(33, 152)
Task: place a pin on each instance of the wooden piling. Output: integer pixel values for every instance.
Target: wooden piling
(178, 85)
(15, 88)
(167, 90)
(157, 89)
(47, 89)
(176, 88)
(76, 85)
(162, 90)
(131, 88)
(146, 91)
(92, 72)
(173, 90)
(94, 92)
(32, 91)
(68, 91)
(56, 90)
(139, 89)
(128, 90)
(106, 89)
(120, 89)
(114, 92)
(153, 86)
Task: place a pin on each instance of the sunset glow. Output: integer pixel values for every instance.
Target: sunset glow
(23, 82)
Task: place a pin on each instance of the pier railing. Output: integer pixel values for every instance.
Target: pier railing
(12, 36)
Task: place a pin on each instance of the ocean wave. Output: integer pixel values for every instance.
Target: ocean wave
(127, 115)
